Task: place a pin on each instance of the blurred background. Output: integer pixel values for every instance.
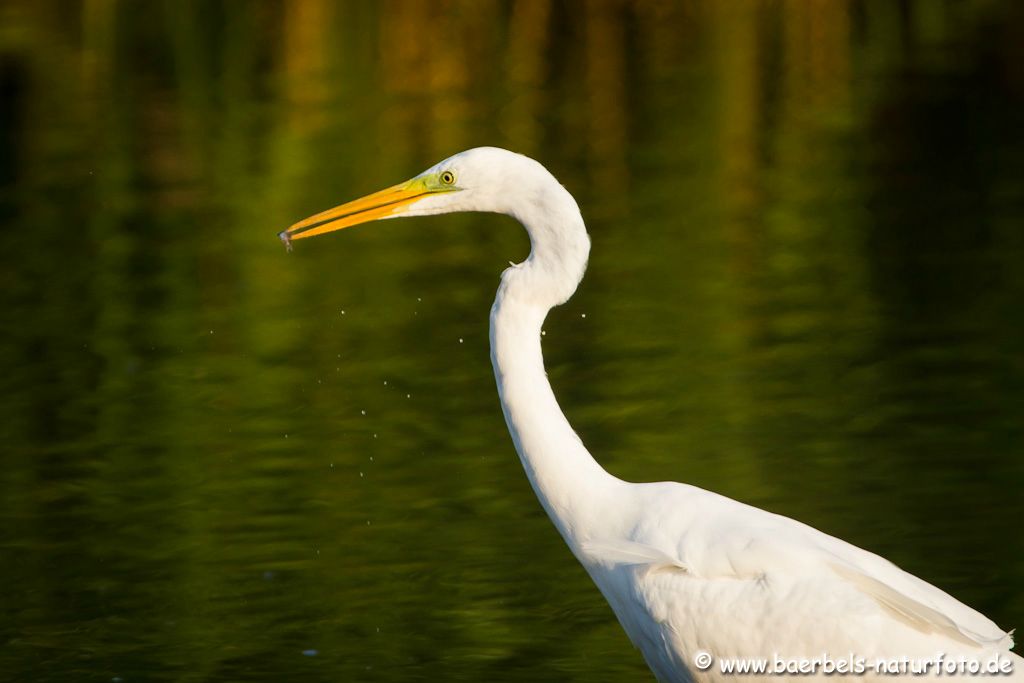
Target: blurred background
(223, 462)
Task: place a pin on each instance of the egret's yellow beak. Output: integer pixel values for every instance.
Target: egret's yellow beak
(384, 204)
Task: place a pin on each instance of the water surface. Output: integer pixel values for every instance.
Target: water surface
(223, 462)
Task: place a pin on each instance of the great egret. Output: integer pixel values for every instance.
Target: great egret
(698, 581)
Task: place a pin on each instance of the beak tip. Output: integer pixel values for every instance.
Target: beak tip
(286, 238)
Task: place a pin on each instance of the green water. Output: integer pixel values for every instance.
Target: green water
(223, 462)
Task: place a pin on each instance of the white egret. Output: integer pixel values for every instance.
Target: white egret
(695, 579)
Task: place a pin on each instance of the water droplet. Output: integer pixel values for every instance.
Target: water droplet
(460, 340)
(362, 412)
(583, 315)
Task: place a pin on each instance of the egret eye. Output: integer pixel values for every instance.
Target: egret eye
(447, 178)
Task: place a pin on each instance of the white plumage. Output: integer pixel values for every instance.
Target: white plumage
(686, 571)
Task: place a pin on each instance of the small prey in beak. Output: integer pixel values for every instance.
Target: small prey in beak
(286, 238)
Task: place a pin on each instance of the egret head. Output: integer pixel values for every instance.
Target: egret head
(481, 179)
(491, 180)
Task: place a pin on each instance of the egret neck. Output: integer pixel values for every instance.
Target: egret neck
(570, 484)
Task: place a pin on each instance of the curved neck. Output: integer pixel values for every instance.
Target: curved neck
(568, 481)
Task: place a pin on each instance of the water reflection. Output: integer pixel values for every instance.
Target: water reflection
(804, 294)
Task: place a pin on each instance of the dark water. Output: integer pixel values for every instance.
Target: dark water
(222, 462)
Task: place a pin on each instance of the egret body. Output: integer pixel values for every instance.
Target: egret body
(687, 572)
